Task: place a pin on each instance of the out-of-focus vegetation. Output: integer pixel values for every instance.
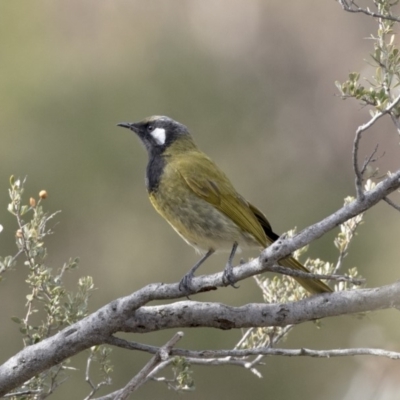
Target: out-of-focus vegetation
(254, 82)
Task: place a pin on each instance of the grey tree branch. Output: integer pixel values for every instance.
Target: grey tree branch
(129, 313)
(266, 351)
(361, 351)
(221, 316)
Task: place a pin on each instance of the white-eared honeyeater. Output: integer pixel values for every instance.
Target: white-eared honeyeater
(199, 201)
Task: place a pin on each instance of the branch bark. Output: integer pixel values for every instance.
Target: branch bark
(220, 316)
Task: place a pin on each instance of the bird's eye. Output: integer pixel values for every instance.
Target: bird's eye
(150, 128)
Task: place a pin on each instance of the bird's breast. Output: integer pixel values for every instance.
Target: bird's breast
(198, 222)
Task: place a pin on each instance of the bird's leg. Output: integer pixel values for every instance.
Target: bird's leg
(185, 285)
(228, 277)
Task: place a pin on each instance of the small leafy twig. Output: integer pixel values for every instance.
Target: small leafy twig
(46, 291)
(351, 6)
(368, 160)
(348, 230)
(99, 354)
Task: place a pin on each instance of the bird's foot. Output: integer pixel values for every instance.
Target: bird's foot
(228, 278)
(185, 285)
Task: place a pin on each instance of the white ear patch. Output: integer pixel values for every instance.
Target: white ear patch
(159, 135)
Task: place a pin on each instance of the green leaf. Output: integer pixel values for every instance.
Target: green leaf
(16, 320)
(24, 209)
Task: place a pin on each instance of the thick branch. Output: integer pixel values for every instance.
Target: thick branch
(125, 313)
(187, 314)
(220, 316)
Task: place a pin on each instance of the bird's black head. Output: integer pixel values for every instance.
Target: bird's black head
(163, 138)
(158, 133)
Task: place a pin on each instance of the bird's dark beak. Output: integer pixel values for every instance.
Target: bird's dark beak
(135, 127)
(125, 125)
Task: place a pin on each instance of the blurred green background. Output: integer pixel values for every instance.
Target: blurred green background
(254, 82)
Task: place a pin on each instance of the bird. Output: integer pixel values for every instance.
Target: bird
(199, 201)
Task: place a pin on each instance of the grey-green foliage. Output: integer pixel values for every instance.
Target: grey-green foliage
(377, 91)
(49, 306)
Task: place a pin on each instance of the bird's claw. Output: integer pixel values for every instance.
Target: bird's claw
(228, 277)
(185, 285)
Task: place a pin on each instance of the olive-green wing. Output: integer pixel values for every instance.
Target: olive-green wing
(262, 219)
(208, 182)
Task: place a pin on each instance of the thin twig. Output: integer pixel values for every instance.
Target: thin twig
(369, 160)
(266, 351)
(391, 203)
(22, 393)
(245, 336)
(54, 373)
(395, 121)
(352, 7)
(360, 130)
(158, 369)
(274, 340)
(339, 262)
(308, 275)
(20, 251)
(114, 395)
(94, 387)
(343, 240)
(162, 354)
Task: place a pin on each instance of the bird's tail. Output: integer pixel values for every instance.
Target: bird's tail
(313, 286)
